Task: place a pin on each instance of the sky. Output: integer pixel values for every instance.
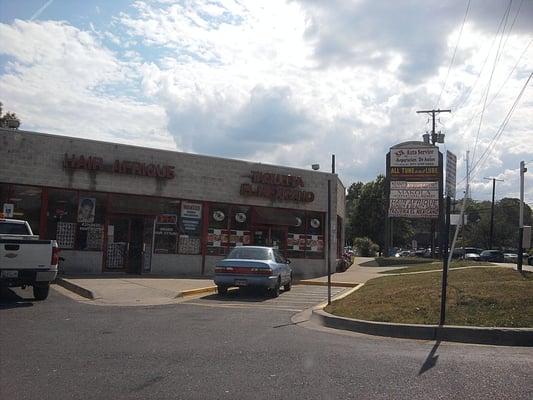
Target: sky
(281, 82)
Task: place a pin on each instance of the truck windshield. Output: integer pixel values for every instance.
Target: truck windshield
(9, 228)
(249, 253)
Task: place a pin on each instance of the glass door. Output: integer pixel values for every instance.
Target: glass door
(118, 233)
(129, 244)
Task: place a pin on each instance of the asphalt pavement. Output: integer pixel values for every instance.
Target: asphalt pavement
(65, 349)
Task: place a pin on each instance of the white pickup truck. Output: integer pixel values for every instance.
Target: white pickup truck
(25, 260)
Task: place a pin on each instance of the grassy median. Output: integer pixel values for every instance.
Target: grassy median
(433, 266)
(476, 297)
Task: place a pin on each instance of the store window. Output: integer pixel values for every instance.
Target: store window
(218, 232)
(62, 217)
(166, 233)
(91, 219)
(190, 228)
(296, 236)
(315, 235)
(25, 203)
(240, 233)
(166, 223)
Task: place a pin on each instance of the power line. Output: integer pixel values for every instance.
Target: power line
(453, 56)
(500, 130)
(501, 86)
(460, 102)
(496, 59)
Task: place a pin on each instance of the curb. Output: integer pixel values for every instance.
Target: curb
(79, 290)
(462, 334)
(191, 292)
(320, 283)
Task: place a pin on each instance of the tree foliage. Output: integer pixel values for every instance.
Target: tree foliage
(366, 212)
(505, 232)
(9, 119)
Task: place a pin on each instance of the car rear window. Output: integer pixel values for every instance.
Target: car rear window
(9, 228)
(248, 253)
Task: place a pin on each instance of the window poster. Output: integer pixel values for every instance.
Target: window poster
(166, 233)
(191, 218)
(66, 234)
(86, 209)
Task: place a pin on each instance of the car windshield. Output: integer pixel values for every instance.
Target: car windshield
(249, 253)
(9, 228)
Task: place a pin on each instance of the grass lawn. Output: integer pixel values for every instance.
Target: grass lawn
(391, 261)
(480, 297)
(431, 266)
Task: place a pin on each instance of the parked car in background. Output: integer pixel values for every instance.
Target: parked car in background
(254, 266)
(510, 258)
(420, 253)
(530, 260)
(25, 260)
(472, 257)
(492, 256)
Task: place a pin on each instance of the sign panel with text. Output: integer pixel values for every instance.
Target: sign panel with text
(451, 167)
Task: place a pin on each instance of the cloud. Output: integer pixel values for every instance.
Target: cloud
(285, 82)
(58, 80)
(372, 32)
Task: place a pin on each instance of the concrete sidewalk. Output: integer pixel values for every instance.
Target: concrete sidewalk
(133, 290)
(362, 270)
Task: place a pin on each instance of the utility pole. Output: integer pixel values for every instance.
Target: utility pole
(434, 139)
(329, 229)
(523, 170)
(467, 194)
(492, 209)
(433, 113)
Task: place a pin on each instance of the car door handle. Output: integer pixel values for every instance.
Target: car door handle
(12, 247)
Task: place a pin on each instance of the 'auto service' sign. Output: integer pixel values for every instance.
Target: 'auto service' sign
(414, 157)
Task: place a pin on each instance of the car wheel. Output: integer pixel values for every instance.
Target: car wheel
(40, 292)
(288, 285)
(274, 292)
(222, 290)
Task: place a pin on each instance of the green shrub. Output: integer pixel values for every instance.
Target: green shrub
(365, 247)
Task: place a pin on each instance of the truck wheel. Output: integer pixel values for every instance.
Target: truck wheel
(40, 292)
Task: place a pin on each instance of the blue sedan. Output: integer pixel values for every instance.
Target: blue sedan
(254, 266)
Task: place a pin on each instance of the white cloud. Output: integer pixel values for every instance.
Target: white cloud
(285, 82)
(55, 81)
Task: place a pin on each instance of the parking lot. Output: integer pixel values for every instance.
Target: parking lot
(297, 299)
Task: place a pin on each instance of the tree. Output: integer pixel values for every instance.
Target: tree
(505, 232)
(9, 119)
(366, 212)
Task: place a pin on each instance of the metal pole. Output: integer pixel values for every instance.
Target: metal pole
(492, 213)
(521, 217)
(445, 261)
(329, 242)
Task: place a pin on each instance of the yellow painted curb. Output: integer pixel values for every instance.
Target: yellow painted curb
(320, 283)
(192, 292)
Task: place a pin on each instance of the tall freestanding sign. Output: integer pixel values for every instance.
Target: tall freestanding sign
(414, 184)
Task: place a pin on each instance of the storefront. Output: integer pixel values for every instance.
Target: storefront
(119, 208)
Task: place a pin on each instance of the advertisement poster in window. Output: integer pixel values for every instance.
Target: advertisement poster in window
(191, 218)
(166, 233)
(86, 209)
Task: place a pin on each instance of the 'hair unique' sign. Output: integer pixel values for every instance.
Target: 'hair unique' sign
(277, 187)
(93, 163)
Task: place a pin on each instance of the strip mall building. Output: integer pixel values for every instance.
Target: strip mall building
(120, 208)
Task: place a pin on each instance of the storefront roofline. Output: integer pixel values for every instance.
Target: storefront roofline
(59, 136)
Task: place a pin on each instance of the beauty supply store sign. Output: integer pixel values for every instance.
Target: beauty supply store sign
(414, 199)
